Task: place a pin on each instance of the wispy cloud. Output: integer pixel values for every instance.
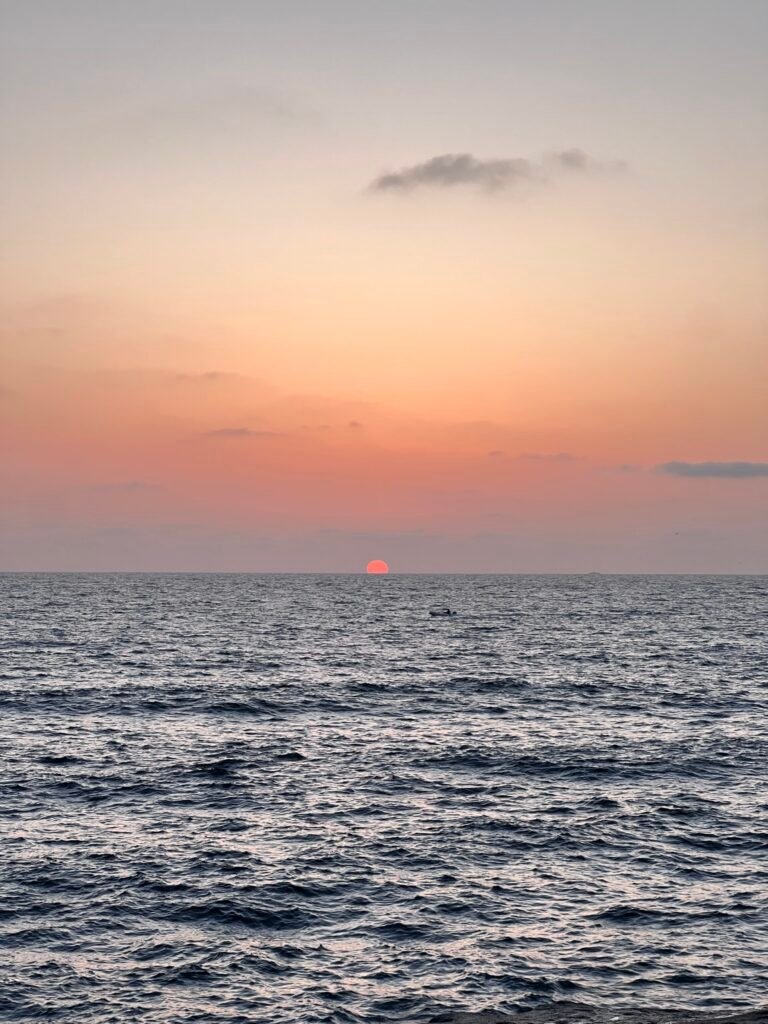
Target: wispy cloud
(722, 470)
(240, 432)
(455, 169)
(207, 377)
(539, 457)
(245, 112)
(623, 467)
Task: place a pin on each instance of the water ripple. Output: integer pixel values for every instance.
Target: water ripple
(241, 798)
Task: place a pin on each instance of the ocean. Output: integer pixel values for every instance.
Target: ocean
(274, 799)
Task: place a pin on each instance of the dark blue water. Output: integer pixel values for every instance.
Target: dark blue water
(300, 799)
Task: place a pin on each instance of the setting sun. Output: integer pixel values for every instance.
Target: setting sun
(377, 566)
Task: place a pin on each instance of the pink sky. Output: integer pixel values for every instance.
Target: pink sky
(261, 314)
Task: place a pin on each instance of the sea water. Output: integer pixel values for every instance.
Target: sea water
(246, 798)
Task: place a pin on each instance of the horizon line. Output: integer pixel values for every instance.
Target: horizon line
(362, 572)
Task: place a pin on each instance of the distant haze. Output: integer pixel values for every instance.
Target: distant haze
(464, 286)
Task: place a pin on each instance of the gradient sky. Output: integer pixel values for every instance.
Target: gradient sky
(466, 286)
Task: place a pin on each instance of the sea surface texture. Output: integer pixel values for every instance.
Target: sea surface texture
(300, 799)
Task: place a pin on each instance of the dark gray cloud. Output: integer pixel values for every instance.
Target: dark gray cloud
(452, 169)
(722, 470)
(456, 169)
(240, 432)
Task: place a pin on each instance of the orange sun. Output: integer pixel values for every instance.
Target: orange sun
(377, 566)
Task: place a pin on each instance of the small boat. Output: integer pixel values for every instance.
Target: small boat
(440, 611)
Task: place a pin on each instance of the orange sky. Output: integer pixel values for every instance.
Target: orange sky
(227, 345)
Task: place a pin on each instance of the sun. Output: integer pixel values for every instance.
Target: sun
(377, 566)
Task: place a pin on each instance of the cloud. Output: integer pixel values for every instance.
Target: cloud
(496, 453)
(240, 112)
(355, 425)
(239, 432)
(578, 160)
(557, 457)
(207, 377)
(456, 169)
(623, 467)
(721, 470)
(452, 169)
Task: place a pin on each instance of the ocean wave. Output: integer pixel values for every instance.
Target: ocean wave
(295, 799)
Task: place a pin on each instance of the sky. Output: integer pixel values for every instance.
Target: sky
(465, 285)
